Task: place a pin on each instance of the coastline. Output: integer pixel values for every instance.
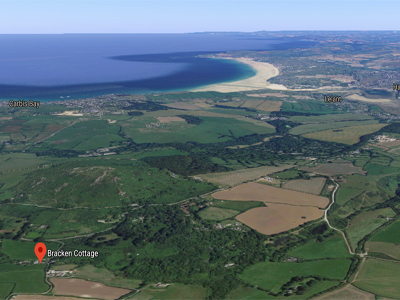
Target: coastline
(264, 72)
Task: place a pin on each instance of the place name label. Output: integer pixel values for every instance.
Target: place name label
(330, 99)
(76, 253)
(396, 87)
(23, 103)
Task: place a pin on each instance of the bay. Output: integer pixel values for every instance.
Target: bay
(74, 66)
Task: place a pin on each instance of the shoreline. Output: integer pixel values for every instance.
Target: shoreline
(264, 72)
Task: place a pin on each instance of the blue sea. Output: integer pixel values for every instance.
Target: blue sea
(76, 66)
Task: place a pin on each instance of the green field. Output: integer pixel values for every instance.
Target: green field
(211, 130)
(331, 118)
(389, 249)
(239, 112)
(308, 128)
(381, 160)
(87, 135)
(333, 247)
(27, 279)
(272, 276)
(380, 170)
(345, 194)
(361, 161)
(366, 223)
(217, 214)
(249, 293)
(389, 234)
(241, 206)
(25, 129)
(18, 250)
(380, 277)
(372, 190)
(347, 135)
(288, 174)
(5, 289)
(309, 106)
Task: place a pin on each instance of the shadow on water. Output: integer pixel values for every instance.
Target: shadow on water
(197, 71)
(194, 71)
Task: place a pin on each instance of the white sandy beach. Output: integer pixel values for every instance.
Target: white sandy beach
(264, 71)
(71, 113)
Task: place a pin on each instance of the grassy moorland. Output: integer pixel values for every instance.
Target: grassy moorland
(65, 186)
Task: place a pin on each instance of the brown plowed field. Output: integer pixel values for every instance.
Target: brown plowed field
(312, 186)
(276, 218)
(12, 129)
(349, 292)
(53, 127)
(170, 119)
(43, 297)
(86, 289)
(261, 192)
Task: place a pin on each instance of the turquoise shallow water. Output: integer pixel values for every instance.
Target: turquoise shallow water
(56, 67)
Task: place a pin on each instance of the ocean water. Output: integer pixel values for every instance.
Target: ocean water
(74, 66)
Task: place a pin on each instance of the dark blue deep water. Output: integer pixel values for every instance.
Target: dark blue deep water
(74, 66)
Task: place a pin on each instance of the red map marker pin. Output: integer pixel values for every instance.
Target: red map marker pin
(40, 251)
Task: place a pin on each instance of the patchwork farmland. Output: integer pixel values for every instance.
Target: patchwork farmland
(260, 192)
(284, 209)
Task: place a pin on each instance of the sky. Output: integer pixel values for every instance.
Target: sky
(181, 16)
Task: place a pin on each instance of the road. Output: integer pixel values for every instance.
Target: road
(329, 224)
